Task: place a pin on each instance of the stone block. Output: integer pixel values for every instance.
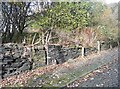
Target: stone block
(25, 67)
(16, 65)
(8, 59)
(0, 72)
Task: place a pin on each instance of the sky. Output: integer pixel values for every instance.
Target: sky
(111, 1)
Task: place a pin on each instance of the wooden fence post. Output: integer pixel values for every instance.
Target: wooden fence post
(99, 46)
(118, 43)
(83, 51)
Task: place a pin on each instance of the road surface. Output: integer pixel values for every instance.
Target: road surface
(105, 76)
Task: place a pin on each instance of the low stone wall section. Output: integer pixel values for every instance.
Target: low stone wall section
(57, 54)
(17, 58)
(13, 60)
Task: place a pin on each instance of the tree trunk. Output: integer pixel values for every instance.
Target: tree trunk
(46, 55)
(42, 38)
(47, 39)
(14, 19)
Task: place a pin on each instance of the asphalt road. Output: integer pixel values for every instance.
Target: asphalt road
(105, 76)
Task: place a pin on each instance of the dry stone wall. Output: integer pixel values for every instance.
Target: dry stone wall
(13, 60)
(58, 54)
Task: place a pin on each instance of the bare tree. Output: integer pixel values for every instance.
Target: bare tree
(14, 19)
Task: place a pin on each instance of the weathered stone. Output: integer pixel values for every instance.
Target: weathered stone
(16, 54)
(7, 59)
(1, 49)
(11, 70)
(18, 60)
(11, 60)
(16, 65)
(0, 72)
(1, 57)
(60, 55)
(25, 67)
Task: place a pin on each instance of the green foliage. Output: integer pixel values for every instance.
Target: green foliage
(97, 10)
(69, 16)
(65, 15)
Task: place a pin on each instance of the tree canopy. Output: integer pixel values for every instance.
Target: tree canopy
(66, 20)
